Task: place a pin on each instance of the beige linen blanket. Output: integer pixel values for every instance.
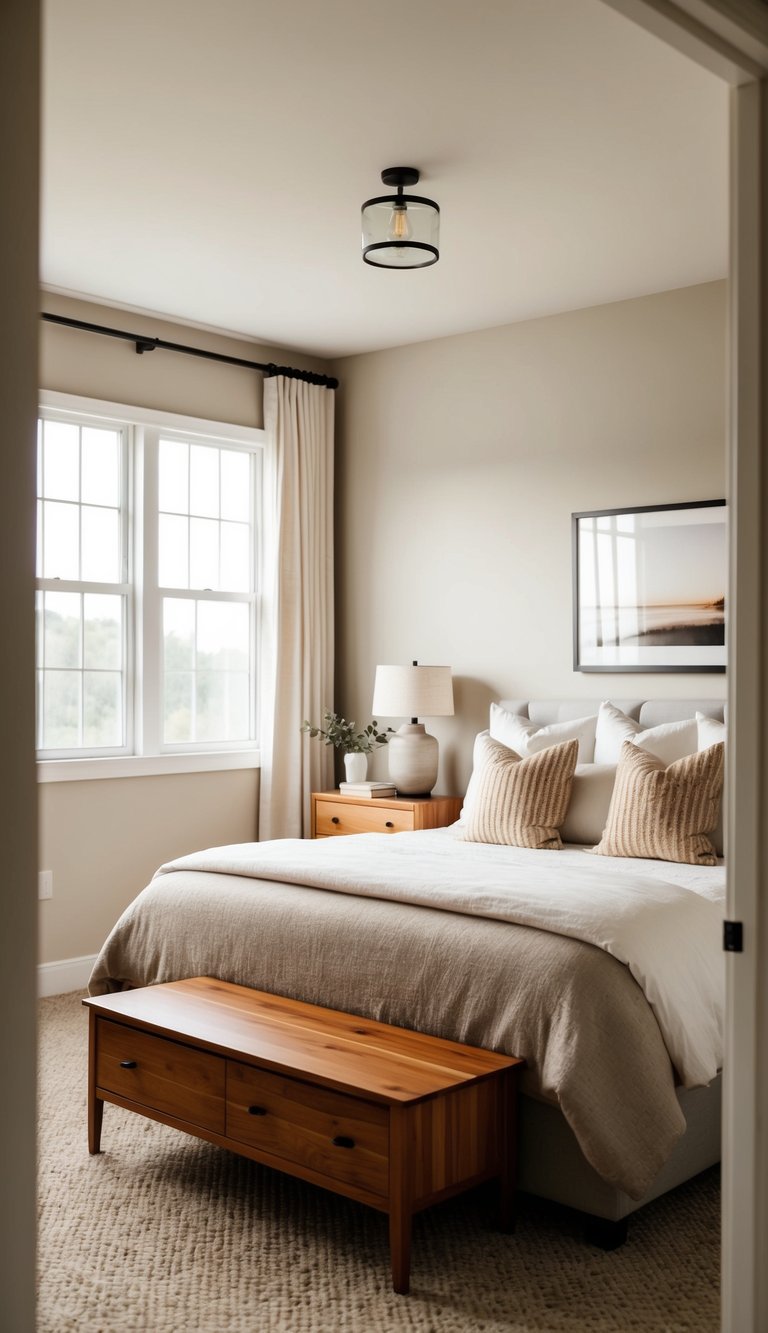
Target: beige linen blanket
(428, 932)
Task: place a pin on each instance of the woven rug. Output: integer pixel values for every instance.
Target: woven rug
(162, 1233)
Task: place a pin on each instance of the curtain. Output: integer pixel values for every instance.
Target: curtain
(296, 657)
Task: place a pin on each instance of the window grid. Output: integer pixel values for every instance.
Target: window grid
(49, 582)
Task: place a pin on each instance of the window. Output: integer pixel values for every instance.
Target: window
(147, 606)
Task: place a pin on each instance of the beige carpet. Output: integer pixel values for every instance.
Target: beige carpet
(164, 1234)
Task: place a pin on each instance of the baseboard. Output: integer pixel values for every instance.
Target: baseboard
(69, 974)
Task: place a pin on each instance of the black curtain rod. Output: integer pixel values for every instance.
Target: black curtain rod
(145, 344)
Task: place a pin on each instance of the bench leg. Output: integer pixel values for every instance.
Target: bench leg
(400, 1250)
(606, 1235)
(95, 1104)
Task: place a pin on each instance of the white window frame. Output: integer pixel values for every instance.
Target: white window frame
(148, 755)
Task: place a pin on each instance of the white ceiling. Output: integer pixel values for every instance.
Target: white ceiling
(206, 159)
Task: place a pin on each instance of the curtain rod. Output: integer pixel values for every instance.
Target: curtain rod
(146, 344)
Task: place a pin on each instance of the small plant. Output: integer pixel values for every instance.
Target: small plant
(339, 733)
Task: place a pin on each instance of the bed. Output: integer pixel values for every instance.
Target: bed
(604, 973)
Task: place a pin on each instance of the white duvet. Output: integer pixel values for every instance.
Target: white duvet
(664, 921)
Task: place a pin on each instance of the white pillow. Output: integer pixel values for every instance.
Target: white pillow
(526, 738)
(710, 731)
(590, 802)
(669, 741)
(612, 730)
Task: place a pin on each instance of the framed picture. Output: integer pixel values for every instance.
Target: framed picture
(649, 588)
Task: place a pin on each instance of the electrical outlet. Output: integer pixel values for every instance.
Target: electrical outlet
(45, 883)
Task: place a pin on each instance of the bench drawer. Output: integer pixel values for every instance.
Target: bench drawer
(161, 1074)
(342, 1138)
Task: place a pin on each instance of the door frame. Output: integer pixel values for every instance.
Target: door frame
(730, 38)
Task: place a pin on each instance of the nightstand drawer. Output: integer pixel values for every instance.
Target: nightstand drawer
(334, 817)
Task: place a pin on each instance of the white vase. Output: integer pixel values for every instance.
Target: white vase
(355, 767)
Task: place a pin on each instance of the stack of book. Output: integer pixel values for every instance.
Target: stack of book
(371, 789)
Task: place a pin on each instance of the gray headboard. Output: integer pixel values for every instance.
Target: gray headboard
(650, 712)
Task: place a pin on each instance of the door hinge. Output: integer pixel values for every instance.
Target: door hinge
(733, 937)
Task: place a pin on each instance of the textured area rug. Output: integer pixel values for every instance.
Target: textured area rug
(162, 1233)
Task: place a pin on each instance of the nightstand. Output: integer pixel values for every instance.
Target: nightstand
(334, 814)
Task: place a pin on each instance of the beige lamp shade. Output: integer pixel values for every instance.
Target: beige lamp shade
(413, 691)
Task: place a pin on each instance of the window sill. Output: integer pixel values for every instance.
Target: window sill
(143, 766)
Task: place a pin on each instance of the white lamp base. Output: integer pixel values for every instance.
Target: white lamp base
(413, 759)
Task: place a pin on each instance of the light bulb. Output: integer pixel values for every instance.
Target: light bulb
(399, 224)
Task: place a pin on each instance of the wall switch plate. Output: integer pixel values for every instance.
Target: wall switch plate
(45, 883)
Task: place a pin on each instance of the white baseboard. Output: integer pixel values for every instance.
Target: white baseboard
(69, 974)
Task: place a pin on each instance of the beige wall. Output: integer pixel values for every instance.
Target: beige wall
(103, 839)
(460, 462)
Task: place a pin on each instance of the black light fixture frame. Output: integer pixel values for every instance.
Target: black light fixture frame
(400, 177)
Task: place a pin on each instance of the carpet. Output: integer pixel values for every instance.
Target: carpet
(162, 1233)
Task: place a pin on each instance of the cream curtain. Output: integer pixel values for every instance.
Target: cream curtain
(297, 621)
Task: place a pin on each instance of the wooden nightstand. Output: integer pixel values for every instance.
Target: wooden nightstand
(334, 814)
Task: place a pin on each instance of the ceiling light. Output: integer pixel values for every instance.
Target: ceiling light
(400, 230)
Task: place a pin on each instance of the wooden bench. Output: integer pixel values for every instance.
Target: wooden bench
(392, 1118)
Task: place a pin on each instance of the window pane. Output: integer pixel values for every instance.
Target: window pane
(39, 541)
(101, 466)
(221, 706)
(178, 707)
(61, 537)
(223, 636)
(178, 634)
(101, 545)
(61, 710)
(102, 633)
(204, 554)
(204, 480)
(62, 629)
(235, 485)
(173, 552)
(102, 709)
(235, 562)
(61, 461)
(174, 476)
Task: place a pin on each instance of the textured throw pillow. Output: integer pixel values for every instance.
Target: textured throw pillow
(526, 737)
(664, 811)
(668, 741)
(519, 802)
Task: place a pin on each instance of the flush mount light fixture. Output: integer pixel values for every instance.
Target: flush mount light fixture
(400, 230)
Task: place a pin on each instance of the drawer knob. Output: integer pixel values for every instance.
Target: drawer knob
(343, 1141)
(257, 1110)
(335, 819)
(127, 1064)
(389, 824)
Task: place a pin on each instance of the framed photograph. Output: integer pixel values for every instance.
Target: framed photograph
(649, 588)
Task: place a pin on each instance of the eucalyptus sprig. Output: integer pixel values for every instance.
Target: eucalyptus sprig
(339, 733)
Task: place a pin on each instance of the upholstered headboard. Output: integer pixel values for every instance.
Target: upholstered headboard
(649, 712)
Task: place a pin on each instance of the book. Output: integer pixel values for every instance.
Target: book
(371, 789)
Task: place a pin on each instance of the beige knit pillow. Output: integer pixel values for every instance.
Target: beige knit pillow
(519, 802)
(662, 811)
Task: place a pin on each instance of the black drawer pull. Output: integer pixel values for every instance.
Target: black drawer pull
(257, 1110)
(343, 1141)
(389, 824)
(127, 1064)
(335, 819)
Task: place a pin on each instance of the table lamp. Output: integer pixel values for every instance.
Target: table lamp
(413, 691)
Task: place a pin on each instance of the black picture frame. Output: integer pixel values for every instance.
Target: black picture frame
(649, 588)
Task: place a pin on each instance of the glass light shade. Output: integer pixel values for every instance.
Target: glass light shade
(401, 231)
(413, 691)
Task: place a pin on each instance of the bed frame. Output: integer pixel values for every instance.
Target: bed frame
(551, 1164)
